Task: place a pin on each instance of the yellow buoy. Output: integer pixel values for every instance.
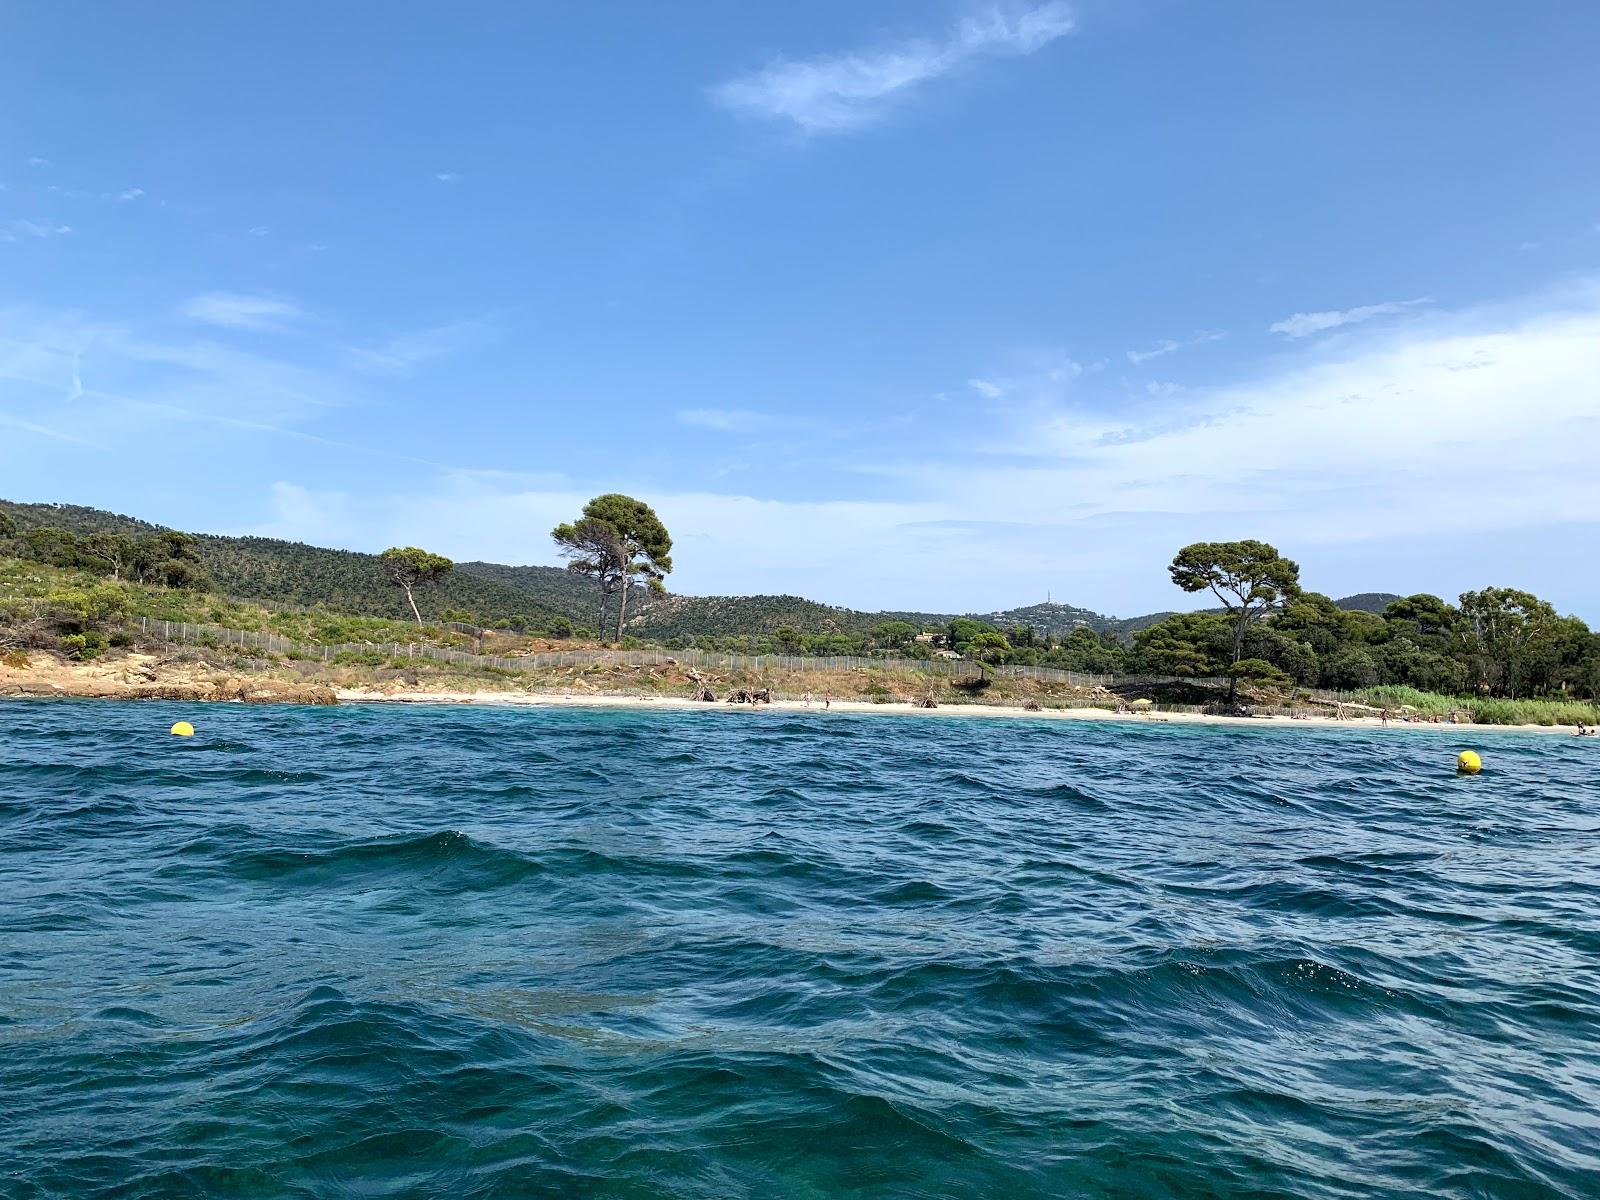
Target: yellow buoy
(1468, 762)
(183, 729)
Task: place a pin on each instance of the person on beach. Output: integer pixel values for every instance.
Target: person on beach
(1384, 716)
(827, 700)
(808, 699)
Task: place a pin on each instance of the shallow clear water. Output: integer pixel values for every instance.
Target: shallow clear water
(392, 951)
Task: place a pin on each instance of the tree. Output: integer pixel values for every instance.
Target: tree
(411, 568)
(1249, 577)
(963, 630)
(1314, 619)
(990, 646)
(8, 527)
(113, 550)
(1429, 618)
(169, 558)
(893, 633)
(47, 544)
(1510, 635)
(1348, 669)
(1260, 672)
(594, 549)
(1185, 644)
(643, 547)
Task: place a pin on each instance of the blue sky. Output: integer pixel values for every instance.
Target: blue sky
(933, 305)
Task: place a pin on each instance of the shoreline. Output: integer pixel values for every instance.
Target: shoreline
(146, 677)
(865, 707)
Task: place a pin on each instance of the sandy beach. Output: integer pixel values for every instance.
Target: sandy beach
(860, 707)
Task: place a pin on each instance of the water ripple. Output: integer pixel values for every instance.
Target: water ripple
(399, 952)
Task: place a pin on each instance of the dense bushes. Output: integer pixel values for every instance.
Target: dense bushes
(1497, 643)
(168, 558)
(77, 622)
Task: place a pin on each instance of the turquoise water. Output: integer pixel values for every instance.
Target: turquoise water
(392, 951)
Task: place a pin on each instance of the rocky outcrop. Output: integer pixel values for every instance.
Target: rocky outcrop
(142, 678)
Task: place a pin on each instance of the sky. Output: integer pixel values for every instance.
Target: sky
(943, 306)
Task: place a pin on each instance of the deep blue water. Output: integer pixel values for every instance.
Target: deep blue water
(391, 951)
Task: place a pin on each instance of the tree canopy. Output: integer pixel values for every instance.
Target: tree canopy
(410, 567)
(617, 541)
(1249, 577)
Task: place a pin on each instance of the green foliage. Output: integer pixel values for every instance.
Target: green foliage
(1188, 645)
(410, 568)
(1482, 709)
(1498, 643)
(294, 574)
(1513, 643)
(167, 558)
(989, 645)
(75, 615)
(893, 635)
(1259, 671)
(961, 633)
(1348, 668)
(1249, 577)
(617, 541)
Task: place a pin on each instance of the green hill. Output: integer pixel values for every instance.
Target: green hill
(1372, 602)
(294, 573)
(554, 588)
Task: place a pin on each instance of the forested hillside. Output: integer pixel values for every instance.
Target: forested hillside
(297, 574)
(1372, 602)
(544, 597)
(552, 587)
(719, 616)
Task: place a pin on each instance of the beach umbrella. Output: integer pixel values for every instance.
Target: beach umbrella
(1142, 703)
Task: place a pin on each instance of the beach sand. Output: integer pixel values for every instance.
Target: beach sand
(861, 707)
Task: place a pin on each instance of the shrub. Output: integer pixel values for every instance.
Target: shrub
(83, 645)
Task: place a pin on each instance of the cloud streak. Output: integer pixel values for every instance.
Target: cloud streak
(403, 354)
(1112, 489)
(1167, 346)
(20, 229)
(1305, 324)
(730, 420)
(845, 91)
(230, 310)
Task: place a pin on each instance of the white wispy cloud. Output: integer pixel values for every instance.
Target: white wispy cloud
(36, 161)
(258, 231)
(842, 91)
(1488, 420)
(405, 353)
(1159, 350)
(18, 230)
(231, 310)
(1307, 323)
(1028, 377)
(1114, 484)
(1168, 346)
(132, 193)
(447, 176)
(727, 420)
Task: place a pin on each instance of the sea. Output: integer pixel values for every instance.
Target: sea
(450, 951)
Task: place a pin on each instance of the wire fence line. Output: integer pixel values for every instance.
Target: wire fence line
(954, 669)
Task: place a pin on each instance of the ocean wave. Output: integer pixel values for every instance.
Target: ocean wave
(405, 952)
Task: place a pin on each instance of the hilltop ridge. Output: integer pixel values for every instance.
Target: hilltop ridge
(296, 573)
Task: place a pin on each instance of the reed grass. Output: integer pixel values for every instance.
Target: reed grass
(1483, 709)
